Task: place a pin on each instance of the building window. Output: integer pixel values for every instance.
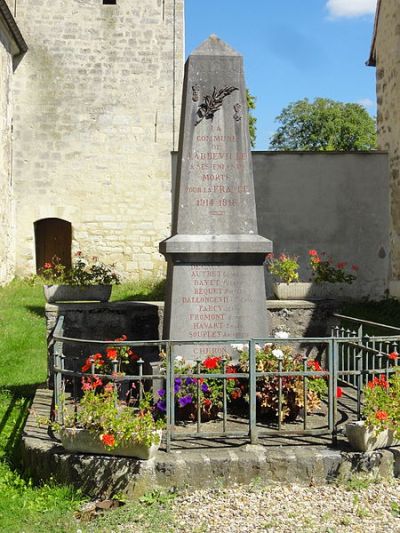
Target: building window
(109, 2)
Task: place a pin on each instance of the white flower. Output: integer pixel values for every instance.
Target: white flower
(239, 347)
(258, 348)
(179, 359)
(267, 345)
(278, 354)
(281, 335)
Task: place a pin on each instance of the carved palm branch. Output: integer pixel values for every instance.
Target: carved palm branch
(213, 103)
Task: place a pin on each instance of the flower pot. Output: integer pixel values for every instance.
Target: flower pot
(77, 440)
(72, 293)
(364, 439)
(310, 291)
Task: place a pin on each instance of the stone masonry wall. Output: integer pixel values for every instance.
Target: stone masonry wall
(7, 220)
(388, 117)
(96, 117)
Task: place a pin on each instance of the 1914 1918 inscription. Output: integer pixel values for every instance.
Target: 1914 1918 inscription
(215, 255)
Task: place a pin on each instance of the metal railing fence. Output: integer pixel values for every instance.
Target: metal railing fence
(350, 358)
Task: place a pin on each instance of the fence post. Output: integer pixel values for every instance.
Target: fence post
(359, 382)
(252, 392)
(169, 395)
(332, 395)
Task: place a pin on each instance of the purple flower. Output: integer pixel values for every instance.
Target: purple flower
(185, 400)
(204, 387)
(161, 405)
(161, 392)
(190, 381)
(177, 386)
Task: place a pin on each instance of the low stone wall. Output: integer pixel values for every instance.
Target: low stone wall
(102, 476)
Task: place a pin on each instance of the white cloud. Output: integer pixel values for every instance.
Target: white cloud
(350, 8)
(366, 102)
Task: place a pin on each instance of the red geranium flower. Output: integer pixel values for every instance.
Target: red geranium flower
(393, 356)
(314, 365)
(231, 370)
(312, 252)
(211, 362)
(48, 265)
(112, 354)
(88, 365)
(108, 439)
(339, 392)
(381, 415)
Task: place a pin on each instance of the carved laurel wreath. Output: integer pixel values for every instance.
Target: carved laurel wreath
(213, 103)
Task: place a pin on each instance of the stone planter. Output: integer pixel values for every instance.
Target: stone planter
(310, 291)
(83, 441)
(72, 293)
(363, 439)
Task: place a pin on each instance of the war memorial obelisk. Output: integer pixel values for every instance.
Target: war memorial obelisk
(216, 287)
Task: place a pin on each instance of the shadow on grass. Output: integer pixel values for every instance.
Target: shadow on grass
(19, 400)
(36, 309)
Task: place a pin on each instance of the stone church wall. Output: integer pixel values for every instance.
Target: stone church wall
(96, 117)
(7, 221)
(387, 55)
(12, 49)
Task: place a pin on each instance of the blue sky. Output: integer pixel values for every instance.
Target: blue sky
(292, 49)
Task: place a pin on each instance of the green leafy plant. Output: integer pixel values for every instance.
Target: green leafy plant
(112, 421)
(382, 402)
(284, 267)
(324, 270)
(268, 359)
(84, 272)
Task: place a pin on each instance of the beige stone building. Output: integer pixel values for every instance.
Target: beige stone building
(96, 107)
(385, 56)
(12, 49)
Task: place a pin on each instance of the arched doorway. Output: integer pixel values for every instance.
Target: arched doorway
(53, 237)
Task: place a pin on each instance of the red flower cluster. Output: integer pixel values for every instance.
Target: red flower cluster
(91, 383)
(108, 439)
(393, 356)
(211, 362)
(314, 365)
(231, 370)
(378, 382)
(381, 415)
(97, 359)
(111, 354)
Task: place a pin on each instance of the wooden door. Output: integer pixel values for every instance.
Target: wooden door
(53, 237)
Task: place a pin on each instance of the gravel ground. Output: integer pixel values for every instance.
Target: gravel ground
(358, 507)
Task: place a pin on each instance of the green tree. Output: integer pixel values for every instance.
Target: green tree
(324, 125)
(251, 105)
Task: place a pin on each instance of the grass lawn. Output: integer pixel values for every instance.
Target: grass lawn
(23, 506)
(28, 508)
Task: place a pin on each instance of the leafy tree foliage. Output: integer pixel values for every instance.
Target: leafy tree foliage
(323, 125)
(251, 104)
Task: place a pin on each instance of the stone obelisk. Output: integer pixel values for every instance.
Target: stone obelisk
(216, 287)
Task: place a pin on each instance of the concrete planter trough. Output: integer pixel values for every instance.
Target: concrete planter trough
(77, 440)
(72, 293)
(364, 439)
(310, 291)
